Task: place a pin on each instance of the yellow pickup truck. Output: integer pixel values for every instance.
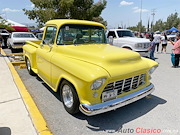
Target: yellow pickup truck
(90, 75)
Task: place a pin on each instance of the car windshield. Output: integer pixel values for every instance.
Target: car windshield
(80, 34)
(125, 33)
(23, 35)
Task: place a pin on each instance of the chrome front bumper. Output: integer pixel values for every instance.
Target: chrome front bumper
(116, 103)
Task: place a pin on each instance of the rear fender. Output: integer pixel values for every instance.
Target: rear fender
(30, 53)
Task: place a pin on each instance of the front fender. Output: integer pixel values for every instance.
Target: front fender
(127, 46)
(81, 74)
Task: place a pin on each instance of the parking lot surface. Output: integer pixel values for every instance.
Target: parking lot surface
(155, 114)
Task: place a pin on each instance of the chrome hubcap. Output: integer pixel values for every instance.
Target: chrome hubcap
(67, 96)
(28, 65)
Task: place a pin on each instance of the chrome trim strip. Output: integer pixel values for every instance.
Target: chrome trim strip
(90, 110)
(123, 84)
(132, 80)
(138, 80)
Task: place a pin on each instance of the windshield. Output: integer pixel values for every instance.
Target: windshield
(23, 35)
(125, 33)
(80, 34)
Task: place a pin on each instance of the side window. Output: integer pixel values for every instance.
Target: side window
(111, 33)
(60, 38)
(50, 35)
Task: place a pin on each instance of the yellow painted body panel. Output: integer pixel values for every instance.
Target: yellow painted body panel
(83, 64)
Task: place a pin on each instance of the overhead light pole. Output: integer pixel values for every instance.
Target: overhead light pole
(153, 14)
(140, 24)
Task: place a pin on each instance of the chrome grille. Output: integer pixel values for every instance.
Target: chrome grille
(126, 84)
(146, 45)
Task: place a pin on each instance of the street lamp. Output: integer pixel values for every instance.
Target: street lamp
(140, 24)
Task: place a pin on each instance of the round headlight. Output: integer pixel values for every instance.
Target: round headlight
(152, 70)
(98, 83)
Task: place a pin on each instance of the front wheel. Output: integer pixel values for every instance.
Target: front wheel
(69, 97)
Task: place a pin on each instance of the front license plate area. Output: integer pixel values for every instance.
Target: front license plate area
(108, 95)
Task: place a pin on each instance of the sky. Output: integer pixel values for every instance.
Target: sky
(117, 12)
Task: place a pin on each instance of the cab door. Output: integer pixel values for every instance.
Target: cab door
(45, 52)
(115, 39)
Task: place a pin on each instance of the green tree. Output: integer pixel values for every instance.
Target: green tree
(172, 20)
(4, 25)
(159, 25)
(139, 27)
(133, 28)
(45, 10)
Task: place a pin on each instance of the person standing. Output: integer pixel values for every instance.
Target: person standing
(164, 43)
(152, 47)
(157, 40)
(176, 50)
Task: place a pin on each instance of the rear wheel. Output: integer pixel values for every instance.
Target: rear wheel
(69, 97)
(28, 64)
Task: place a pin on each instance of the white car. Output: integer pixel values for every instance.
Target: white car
(171, 36)
(125, 38)
(18, 39)
(4, 32)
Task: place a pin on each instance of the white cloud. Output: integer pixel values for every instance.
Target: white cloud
(31, 6)
(135, 8)
(10, 10)
(138, 10)
(125, 3)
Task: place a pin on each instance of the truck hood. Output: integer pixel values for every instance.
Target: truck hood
(111, 58)
(134, 40)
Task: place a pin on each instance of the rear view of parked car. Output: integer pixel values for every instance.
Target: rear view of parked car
(18, 39)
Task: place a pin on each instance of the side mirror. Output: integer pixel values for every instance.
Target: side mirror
(110, 39)
(43, 42)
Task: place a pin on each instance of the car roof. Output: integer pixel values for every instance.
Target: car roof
(60, 22)
(120, 29)
(22, 33)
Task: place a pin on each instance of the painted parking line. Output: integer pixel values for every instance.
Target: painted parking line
(37, 118)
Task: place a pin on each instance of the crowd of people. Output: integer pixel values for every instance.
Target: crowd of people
(155, 41)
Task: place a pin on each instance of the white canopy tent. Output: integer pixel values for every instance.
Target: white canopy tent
(13, 23)
(42, 29)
